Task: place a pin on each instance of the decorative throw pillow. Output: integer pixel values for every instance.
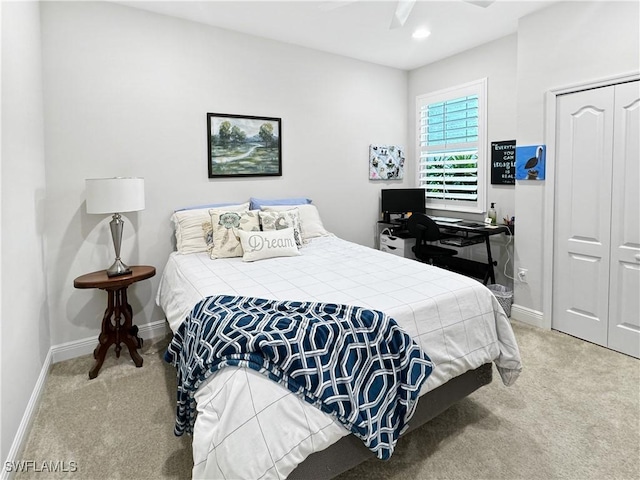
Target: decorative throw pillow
(269, 244)
(188, 227)
(281, 220)
(310, 223)
(207, 230)
(225, 227)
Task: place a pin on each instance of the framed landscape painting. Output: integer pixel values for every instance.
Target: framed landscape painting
(244, 146)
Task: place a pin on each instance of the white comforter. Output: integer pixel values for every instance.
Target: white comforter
(251, 427)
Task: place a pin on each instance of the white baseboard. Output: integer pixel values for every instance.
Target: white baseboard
(77, 348)
(58, 353)
(528, 316)
(155, 329)
(27, 419)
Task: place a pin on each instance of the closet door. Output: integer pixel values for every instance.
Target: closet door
(624, 299)
(584, 153)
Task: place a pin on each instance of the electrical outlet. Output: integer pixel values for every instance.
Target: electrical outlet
(522, 274)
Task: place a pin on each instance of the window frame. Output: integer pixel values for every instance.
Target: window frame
(476, 87)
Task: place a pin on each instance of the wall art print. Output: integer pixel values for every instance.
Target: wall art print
(386, 162)
(503, 162)
(530, 162)
(244, 146)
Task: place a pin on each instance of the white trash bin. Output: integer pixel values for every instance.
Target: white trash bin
(503, 295)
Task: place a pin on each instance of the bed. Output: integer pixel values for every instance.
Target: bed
(454, 319)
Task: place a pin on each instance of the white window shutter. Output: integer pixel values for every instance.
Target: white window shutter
(452, 147)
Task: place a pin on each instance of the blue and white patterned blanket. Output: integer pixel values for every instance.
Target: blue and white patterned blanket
(353, 363)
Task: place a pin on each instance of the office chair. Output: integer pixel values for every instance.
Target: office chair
(424, 230)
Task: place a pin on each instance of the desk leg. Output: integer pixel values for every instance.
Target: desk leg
(490, 263)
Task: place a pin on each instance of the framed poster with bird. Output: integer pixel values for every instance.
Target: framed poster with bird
(530, 162)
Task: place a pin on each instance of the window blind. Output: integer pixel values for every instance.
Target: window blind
(448, 165)
(451, 146)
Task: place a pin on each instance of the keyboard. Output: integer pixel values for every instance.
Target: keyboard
(446, 219)
(472, 224)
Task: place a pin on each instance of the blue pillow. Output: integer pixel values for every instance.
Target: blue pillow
(211, 205)
(256, 203)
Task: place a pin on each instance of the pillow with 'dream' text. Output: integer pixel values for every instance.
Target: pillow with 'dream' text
(269, 244)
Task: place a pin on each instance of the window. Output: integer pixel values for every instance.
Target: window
(452, 147)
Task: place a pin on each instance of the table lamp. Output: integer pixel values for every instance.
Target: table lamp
(115, 196)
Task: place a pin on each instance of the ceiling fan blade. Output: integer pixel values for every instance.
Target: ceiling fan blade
(329, 5)
(403, 10)
(480, 3)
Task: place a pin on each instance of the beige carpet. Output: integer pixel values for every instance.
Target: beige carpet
(573, 414)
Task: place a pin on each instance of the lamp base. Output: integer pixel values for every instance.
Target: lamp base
(118, 268)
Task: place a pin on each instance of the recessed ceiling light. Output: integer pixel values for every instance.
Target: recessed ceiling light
(420, 33)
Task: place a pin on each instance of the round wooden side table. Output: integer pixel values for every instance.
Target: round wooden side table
(117, 325)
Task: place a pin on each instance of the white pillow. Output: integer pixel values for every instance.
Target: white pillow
(188, 227)
(310, 223)
(269, 244)
(281, 220)
(225, 227)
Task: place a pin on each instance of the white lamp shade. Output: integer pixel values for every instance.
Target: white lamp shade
(115, 195)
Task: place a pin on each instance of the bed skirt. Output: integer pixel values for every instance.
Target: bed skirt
(349, 451)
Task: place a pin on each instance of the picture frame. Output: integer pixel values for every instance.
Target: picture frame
(386, 162)
(530, 162)
(243, 146)
(503, 163)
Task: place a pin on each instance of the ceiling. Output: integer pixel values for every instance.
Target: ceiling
(360, 29)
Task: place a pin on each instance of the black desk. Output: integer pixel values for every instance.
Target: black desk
(462, 234)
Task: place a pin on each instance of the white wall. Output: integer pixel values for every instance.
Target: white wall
(24, 316)
(4, 443)
(126, 94)
(562, 45)
(497, 61)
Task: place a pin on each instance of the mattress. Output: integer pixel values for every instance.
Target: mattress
(455, 319)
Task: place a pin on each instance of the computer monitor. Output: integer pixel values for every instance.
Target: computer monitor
(402, 201)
